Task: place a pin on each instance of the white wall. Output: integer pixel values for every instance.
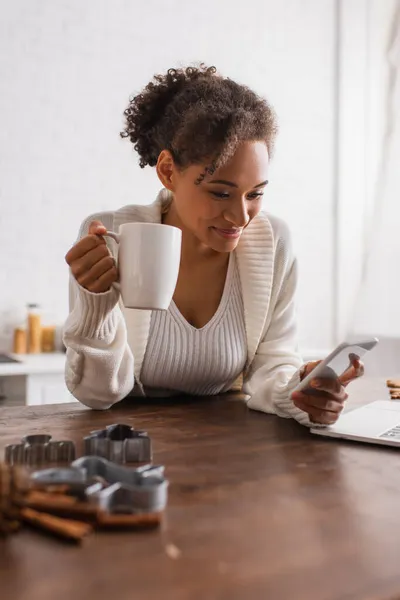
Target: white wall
(365, 31)
(381, 20)
(66, 71)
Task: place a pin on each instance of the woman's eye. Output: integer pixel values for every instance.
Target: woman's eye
(220, 195)
(225, 195)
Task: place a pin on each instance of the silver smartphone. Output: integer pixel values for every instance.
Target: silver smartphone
(338, 361)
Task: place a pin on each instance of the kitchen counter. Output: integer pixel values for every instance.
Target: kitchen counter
(34, 379)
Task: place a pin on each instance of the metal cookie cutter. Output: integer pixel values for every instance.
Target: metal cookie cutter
(149, 495)
(119, 443)
(143, 489)
(89, 469)
(39, 449)
(132, 490)
(97, 467)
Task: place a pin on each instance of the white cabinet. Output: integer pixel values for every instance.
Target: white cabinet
(46, 388)
(34, 380)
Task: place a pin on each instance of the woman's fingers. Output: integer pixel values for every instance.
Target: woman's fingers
(317, 414)
(97, 228)
(325, 405)
(90, 261)
(355, 371)
(325, 400)
(320, 402)
(81, 266)
(104, 282)
(90, 276)
(331, 387)
(310, 366)
(85, 245)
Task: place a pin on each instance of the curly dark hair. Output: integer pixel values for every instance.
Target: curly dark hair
(198, 116)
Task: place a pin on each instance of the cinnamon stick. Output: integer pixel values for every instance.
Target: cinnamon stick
(9, 513)
(65, 528)
(139, 520)
(58, 504)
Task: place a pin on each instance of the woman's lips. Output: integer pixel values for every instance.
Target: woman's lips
(229, 234)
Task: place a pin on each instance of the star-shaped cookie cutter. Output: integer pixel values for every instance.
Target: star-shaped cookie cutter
(113, 488)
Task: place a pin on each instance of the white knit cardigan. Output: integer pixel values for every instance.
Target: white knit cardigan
(106, 342)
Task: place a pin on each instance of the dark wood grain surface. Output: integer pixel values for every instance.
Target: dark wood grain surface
(258, 509)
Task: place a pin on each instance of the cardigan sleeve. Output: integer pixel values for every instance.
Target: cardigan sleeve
(99, 367)
(275, 370)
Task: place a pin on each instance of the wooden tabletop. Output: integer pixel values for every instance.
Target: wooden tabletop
(259, 508)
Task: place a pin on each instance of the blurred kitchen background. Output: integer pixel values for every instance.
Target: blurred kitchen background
(329, 67)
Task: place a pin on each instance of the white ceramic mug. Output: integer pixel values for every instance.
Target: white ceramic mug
(148, 262)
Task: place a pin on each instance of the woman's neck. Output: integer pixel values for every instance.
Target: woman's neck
(193, 250)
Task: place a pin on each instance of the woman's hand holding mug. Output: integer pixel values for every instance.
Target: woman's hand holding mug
(147, 267)
(91, 262)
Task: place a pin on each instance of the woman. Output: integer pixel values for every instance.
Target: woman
(232, 314)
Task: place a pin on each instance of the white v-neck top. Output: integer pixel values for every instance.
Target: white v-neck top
(182, 359)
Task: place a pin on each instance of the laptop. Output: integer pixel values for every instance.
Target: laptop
(374, 423)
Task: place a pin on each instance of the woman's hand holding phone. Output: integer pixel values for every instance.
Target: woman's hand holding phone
(324, 399)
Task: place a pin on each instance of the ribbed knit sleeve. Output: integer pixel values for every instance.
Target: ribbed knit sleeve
(99, 367)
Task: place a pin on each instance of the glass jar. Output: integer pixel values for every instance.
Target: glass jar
(48, 332)
(34, 329)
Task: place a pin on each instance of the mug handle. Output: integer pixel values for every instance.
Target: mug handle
(117, 238)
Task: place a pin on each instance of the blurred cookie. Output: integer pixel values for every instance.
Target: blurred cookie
(393, 383)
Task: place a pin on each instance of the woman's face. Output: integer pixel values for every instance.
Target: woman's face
(217, 210)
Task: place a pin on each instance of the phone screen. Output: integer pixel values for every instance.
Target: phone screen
(342, 361)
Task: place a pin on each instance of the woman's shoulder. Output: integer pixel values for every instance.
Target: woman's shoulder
(284, 255)
(268, 239)
(280, 230)
(131, 213)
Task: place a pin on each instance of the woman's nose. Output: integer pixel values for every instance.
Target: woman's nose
(237, 214)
